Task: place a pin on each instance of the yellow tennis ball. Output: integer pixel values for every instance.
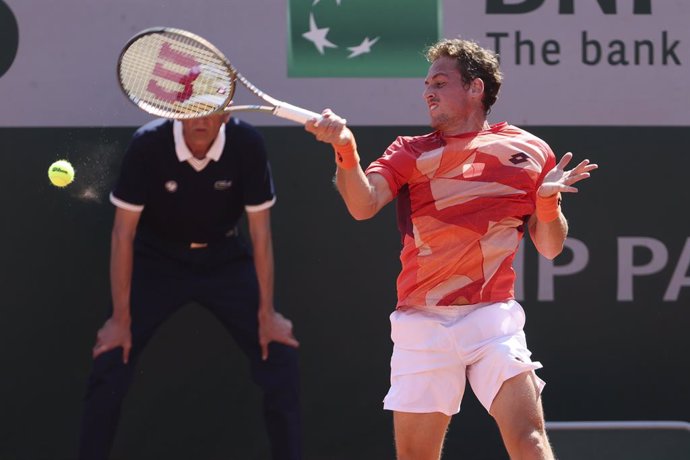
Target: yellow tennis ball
(61, 173)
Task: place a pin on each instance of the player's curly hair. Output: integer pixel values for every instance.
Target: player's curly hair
(473, 62)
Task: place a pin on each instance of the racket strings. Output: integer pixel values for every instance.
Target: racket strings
(175, 76)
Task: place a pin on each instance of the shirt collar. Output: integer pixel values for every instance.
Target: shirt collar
(183, 152)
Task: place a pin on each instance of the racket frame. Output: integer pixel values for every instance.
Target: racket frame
(278, 108)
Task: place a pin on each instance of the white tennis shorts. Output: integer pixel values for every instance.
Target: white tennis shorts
(436, 349)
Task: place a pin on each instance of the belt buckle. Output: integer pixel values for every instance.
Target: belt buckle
(197, 245)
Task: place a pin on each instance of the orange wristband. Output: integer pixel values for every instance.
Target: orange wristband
(548, 207)
(346, 156)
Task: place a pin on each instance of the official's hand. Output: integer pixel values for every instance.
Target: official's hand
(560, 180)
(113, 334)
(274, 327)
(331, 129)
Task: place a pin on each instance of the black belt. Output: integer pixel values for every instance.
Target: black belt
(157, 241)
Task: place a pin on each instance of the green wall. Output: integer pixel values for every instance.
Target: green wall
(603, 359)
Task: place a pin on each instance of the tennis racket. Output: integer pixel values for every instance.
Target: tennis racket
(176, 74)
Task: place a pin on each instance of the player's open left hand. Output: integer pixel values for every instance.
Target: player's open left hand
(274, 327)
(113, 334)
(560, 180)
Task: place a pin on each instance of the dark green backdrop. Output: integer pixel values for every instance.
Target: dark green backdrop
(604, 360)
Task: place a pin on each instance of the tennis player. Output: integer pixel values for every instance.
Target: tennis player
(467, 192)
(182, 188)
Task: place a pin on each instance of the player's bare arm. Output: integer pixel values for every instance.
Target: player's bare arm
(548, 226)
(116, 331)
(364, 195)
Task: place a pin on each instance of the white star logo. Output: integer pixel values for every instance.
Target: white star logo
(362, 48)
(318, 36)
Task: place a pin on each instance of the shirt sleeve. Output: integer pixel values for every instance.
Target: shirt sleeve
(395, 165)
(130, 190)
(257, 181)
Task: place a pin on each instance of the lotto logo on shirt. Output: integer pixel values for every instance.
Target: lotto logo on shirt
(361, 38)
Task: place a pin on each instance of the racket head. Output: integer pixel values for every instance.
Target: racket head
(172, 73)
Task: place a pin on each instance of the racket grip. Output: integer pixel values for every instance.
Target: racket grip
(294, 113)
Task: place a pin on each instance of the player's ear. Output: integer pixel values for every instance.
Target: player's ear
(226, 118)
(477, 87)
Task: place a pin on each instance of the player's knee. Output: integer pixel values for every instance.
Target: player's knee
(533, 444)
(412, 453)
(416, 449)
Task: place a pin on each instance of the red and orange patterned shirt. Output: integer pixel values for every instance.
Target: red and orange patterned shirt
(463, 202)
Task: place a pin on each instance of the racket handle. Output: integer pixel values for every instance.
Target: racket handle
(294, 113)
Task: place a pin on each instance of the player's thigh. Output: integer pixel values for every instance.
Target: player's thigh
(419, 436)
(501, 351)
(517, 407)
(427, 374)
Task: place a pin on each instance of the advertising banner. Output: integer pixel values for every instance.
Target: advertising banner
(596, 63)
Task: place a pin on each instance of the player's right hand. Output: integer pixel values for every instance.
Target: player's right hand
(113, 334)
(331, 129)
